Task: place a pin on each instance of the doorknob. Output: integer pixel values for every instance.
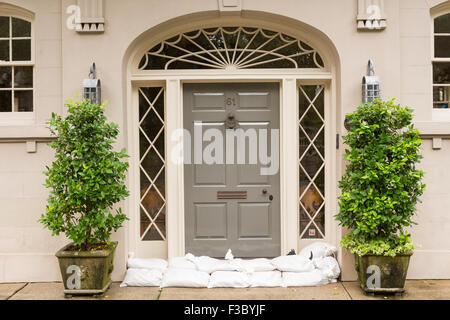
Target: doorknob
(264, 191)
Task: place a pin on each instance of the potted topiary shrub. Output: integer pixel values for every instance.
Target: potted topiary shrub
(86, 179)
(380, 190)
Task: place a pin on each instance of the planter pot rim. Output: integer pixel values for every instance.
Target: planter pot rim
(63, 253)
(382, 255)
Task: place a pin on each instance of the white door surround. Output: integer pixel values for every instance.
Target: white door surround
(290, 81)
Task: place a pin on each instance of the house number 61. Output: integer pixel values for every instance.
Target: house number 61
(231, 101)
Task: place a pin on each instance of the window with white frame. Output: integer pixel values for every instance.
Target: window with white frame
(441, 62)
(16, 65)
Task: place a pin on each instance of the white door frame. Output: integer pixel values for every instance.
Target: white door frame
(289, 183)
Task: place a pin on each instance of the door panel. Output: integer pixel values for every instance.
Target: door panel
(210, 175)
(254, 220)
(210, 220)
(232, 205)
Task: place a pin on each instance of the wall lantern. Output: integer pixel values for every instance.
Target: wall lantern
(370, 84)
(92, 89)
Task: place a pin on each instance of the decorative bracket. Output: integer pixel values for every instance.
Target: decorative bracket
(371, 15)
(91, 16)
(437, 143)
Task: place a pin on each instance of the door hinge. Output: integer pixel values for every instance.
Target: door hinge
(337, 141)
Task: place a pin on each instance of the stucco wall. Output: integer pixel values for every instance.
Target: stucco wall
(401, 54)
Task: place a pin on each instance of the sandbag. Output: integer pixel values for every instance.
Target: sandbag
(318, 250)
(151, 264)
(229, 255)
(304, 279)
(229, 279)
(266, 279)
(329, 267)
(210, 265)
(185, 278)
(293, 264)
(253, 265)
(142, 278)
(181, 263)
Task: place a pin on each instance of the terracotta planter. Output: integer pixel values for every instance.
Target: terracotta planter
(86, 272)
(391, 270)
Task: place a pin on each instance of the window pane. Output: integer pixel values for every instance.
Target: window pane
(4, 27)
(442, 24)
(441, 72)
(312, 156)
(5, 101)
(442, 46)
(21, 28)
(21, 50)
(152, 157)
(4, 50)
(5, 77)
(441, 97)
(23, 101)
(23, 77)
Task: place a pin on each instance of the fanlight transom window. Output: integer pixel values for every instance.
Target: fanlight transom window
(231, 48)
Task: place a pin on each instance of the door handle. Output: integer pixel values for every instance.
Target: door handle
(264, 191)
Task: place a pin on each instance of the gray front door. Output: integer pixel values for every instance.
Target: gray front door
(232, 205)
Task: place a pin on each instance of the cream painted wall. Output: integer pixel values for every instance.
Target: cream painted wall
(401, 54)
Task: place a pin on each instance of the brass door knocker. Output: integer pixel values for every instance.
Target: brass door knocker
(230, 123)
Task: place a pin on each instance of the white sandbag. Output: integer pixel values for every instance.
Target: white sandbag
(229, 279)
(210, 265)
(181, 263)
(142, 278)
(253, 265)
(266, 279)
(318, 250)
(329, 267)
(304, 279)
(185, 278)
(293, 264)
(229, 255)
(153, 264)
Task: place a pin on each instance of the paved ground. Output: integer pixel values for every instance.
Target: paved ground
(415, 289)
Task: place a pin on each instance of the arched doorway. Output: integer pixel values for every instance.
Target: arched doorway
(249, 53)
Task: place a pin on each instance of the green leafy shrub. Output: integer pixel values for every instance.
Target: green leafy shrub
(86, 178)
(381, 186)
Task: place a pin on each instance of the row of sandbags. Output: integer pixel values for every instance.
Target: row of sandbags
(315, 265)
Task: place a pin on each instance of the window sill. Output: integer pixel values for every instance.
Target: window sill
(18, 133)
(439, 128)
(441, 115)
(16, 118)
